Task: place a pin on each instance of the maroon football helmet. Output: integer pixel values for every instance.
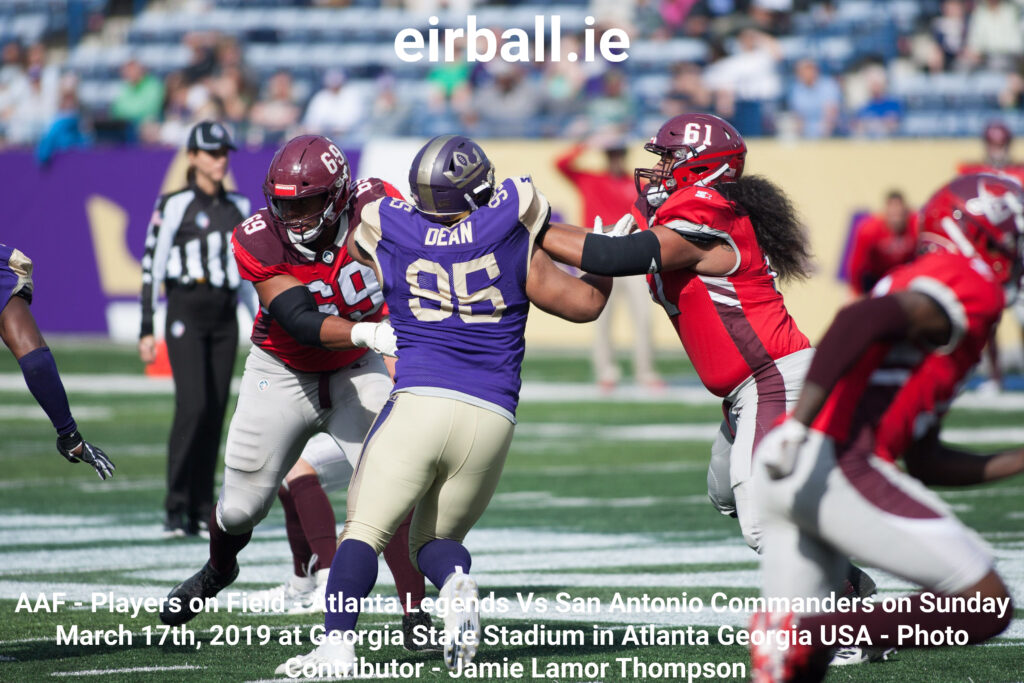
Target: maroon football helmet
(980, 215)
(696, 149)
(307, 186)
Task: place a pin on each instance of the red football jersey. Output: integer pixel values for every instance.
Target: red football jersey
(877, 250)
(732, 325)
(340, 285)
(895, 393)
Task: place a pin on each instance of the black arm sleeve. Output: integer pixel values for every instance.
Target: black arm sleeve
(854, 330)
(634, 254)
(295, 310)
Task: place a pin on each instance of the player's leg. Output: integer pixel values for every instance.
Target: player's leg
(398, 465)
(187, 353)
(872, 510)
(221, 350)
(719, 481)
(638, 299)
(362, 392)
(469, 470)
(272, 421)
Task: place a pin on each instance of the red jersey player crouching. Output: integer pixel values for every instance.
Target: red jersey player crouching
(883, 377)
(308, 370)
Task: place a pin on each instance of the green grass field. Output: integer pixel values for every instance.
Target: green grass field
(600, 497)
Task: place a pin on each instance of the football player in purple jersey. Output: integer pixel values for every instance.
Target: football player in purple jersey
(459, 272)
(20, 333)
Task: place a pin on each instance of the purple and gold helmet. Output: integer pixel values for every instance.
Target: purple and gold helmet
(449, 176)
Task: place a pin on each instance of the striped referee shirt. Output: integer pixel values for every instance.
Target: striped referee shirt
(189, 242)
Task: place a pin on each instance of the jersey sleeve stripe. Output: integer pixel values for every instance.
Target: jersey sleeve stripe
(700, 231)
(22, 267)
(947, 299)
(368, 234)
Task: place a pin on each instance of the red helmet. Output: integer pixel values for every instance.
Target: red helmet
(704, 148)
(980, 215)
(307, 186)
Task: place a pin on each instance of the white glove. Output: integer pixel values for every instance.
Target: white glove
(780, 448)
(623, 226)
(379, 337)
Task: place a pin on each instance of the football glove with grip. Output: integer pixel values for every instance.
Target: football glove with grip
(379, 337)
(780, 448)
(621, 228)
(90, 454)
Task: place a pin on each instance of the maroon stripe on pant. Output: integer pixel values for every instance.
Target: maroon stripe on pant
(877, 489)
(771, 385)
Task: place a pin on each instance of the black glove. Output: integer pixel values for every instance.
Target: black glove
(90, 454)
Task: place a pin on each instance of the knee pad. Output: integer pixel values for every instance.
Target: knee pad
(238, 519)
(720, 494)
(367, 534)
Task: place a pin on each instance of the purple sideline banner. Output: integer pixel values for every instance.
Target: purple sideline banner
(82, 220)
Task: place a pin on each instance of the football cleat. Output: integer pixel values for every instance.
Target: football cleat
(314, 601)
(413, 638)
(205, 583)
(296, 592)
(328, 660)
(461, 619)
(174, 525)
(771, 663)
(845, 656)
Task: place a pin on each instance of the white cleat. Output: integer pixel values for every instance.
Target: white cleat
(461, 619)
(846, 656)
(293, 594)
(328, 660)
(315, 600)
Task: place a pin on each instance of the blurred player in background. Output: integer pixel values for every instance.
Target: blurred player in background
(606, 196)
(997, 139)
(882, 379)
(459, 271)
(881, 242)
(308, 369)
(188, 252)
(20, 333)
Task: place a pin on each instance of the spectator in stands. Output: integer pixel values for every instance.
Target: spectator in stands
(13, 83)
(34, 107)
(613, 108)
(562, 82)
(507, 105)
(950, 31)
(141, 96)
(881, 242)
(815, 100)
(449, 82)
(608, 194)
(747, 81)
(67, 130)
(994, 35)
(273, 117)
(390, 113)
(336, 110)
(687, 92)
(880, 117)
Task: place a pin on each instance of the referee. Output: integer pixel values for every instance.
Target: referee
(188, 249)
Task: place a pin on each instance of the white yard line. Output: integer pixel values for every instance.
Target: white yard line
(130, 670)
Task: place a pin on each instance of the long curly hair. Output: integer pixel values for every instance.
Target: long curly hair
(778, 228)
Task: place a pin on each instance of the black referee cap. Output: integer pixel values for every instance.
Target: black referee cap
(209, 136)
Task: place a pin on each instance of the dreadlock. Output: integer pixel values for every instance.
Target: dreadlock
(776, 224)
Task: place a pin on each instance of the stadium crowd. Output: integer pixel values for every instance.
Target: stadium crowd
(772, 67)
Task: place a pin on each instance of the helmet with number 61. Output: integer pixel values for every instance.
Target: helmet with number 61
(307, 186)
(695, 149)
(980, 215)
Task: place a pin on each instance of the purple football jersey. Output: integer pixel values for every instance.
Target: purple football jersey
(457, 294)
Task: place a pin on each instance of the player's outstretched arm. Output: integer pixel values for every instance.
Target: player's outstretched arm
(292, 305)
(20, 333)
(578, 300)
(906, 315)
(936, 464)
(648, 251)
